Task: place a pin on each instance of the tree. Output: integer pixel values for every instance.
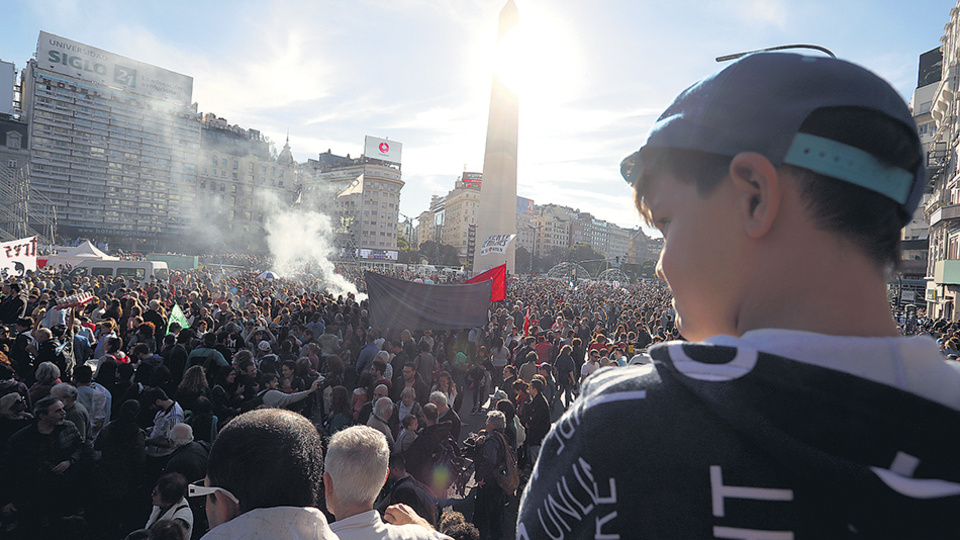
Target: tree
(437, 253)
(448, 255)
(522, 260)
(648, 268)
(429, 250)
(585, 255)
(407, 254)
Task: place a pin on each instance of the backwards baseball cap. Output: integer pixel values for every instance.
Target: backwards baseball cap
(758, 104)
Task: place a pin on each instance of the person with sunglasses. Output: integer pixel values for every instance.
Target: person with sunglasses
(264, 479)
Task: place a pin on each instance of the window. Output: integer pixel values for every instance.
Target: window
(12, 163)
(273, 171)
(214, 161)
(223, 162)
(263, 169)
(236, 165)
(281, 175)
(13, 141)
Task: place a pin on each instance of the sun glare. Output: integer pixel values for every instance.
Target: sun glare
(536, 58)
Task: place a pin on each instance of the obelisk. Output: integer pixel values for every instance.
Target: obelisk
(498, 190)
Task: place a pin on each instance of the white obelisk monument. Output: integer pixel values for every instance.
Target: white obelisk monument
(498, 191)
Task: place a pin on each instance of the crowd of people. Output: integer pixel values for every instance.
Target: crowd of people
(220, 405)
(115, 404)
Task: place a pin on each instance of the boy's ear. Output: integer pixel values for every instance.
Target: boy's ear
(759, 190)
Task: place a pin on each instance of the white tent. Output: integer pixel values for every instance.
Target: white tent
(84, 252)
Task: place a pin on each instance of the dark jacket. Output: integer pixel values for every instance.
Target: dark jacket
(537, 420)
(12, 308)
(189, 460)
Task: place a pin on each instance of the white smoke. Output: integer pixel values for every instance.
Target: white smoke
(299, 239)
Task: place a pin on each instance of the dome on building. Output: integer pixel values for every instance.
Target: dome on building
(286, 156)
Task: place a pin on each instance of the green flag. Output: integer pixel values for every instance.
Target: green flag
(176, 315)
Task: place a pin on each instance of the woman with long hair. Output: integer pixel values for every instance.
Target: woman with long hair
(446, 385)
(341, 414)
(193, 385)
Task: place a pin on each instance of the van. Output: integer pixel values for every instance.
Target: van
(142, 271)
(426, 270)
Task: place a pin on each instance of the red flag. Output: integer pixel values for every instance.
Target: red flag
(526, 322)
(499, 276)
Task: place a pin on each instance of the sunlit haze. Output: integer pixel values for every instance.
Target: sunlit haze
(592, 76)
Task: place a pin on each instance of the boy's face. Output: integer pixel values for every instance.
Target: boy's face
(701, 260)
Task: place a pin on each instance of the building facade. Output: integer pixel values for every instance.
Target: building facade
(362, 197)
(240, 182)
(113, 142)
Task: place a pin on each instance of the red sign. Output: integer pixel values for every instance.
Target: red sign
(384, 147)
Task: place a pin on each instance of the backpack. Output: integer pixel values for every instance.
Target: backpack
(508, 475)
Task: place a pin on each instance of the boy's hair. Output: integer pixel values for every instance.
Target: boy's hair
(870, 220)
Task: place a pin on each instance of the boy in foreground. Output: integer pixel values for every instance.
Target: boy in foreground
(780, 185)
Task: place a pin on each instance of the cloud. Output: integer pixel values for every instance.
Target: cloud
(764, 12)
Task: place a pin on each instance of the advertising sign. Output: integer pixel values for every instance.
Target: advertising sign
(74, 59)
(931, 66)
(18, 257)
(472, 178)
(8, 79)
(524, 206)
(378, 254)
(382, 149)
(496, 243)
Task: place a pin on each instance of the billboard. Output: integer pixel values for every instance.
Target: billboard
(8, 79)
(378, 254)
(472, 178)
(382, 149)
(524, 206)
(931, 65)
(74, 59)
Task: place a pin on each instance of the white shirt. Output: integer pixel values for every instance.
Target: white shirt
(588, 368)
(277, 523)
(180, 511)
(369, 526)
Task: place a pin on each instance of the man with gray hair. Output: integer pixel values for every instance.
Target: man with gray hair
(447, 414)
(190, 456)
(76, 412)
(190, 460)
(379, 418)
(357, 463)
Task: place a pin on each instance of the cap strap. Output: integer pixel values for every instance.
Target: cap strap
(850, 164)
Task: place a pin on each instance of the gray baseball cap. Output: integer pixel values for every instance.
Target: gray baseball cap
(758, 104)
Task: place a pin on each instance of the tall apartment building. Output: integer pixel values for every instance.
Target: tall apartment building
(114, 143)
(942, 209)
(526, 229)
(241, 181)
(362, 197)
(460, 219)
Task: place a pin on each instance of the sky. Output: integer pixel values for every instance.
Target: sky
(592, 76)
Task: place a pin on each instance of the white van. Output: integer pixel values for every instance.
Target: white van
(142, 271)
(426, 270)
